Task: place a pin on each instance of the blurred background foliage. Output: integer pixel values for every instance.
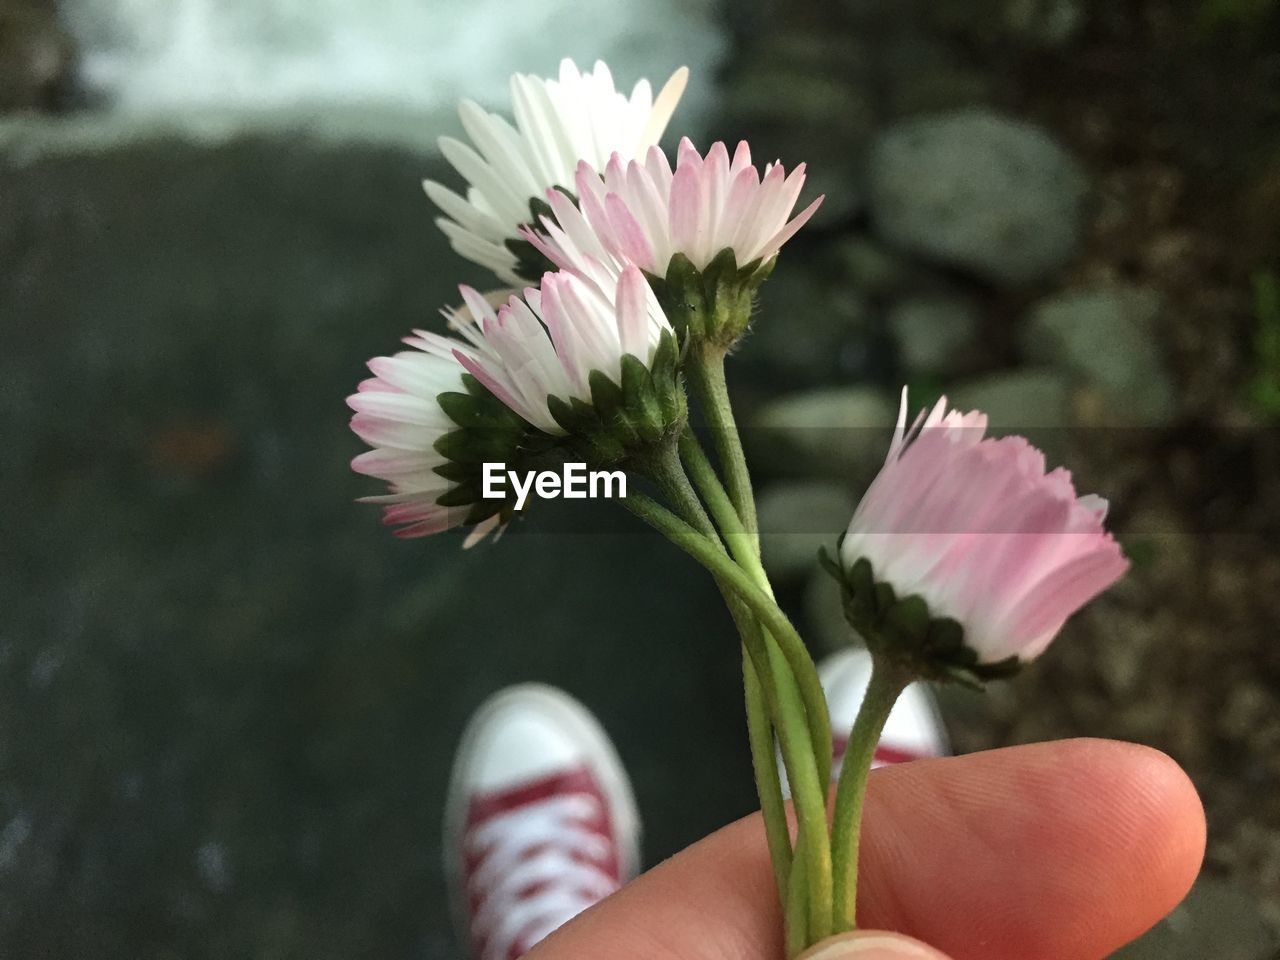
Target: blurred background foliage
(230, 699)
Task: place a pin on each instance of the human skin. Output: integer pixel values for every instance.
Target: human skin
(1051, 851)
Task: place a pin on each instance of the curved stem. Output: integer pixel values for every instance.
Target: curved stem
(768, 784)
(808, 792)
(706, 376)
(743, 547)
(761, 700)
(886, 684)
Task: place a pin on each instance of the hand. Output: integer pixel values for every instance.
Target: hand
(1054, 851)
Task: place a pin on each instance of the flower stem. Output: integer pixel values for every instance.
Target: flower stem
(886, 685)
(745, 551)
(706, 376)
(808, 792)
(768, 784)
(761, 699)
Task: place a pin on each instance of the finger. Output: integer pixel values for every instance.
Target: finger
(1055, 851)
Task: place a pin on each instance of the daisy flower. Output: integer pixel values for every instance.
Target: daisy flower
(982, 533)
(398, 412)
(646, 213)
(543, 351)
(579, 118)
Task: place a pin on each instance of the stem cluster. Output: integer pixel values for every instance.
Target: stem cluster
(715, 523)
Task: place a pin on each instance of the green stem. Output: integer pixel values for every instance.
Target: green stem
(886, 685)
(761, 702)
(808, 792)
(706, 377)
(743, 548)
(768, 784)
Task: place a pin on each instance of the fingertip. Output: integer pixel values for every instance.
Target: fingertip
(1172, 816)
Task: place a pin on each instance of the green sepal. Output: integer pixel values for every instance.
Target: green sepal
(460, 496)
(713, 304)
(626, 417)
(487, 431)
(606, 396)
(905, 631)
(640, 400)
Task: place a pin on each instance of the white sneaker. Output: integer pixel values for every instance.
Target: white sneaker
(540, 822)
(913, 731)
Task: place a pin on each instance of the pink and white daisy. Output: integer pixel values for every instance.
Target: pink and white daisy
(580, 117)
(645, 213)
(977, 528)
(398, 414)
(548, 343)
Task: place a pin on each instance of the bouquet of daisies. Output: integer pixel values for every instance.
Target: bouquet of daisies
(628, 283)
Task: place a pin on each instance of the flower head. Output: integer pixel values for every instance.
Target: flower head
(712, 215)
(969, 550)
(570, 347)
(408, 412)
(580, 117)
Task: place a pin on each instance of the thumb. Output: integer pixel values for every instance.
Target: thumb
(871, 945)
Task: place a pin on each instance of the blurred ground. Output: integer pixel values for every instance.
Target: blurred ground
(229, 697)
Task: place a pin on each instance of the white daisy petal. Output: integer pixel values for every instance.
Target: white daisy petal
(577, 117)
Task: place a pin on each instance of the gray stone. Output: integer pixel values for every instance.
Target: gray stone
(1044, 23)
(839, 432)
(979, 191)
(1218, 919)
(933, 333)
(796, 520)
(1106, 339)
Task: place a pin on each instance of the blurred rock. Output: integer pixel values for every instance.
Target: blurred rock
(839, 432)
(934, 333)
(1030, 24)
(37, 57)
(977, 190)
(798, 518)
(1106, 339)
(1044, 23)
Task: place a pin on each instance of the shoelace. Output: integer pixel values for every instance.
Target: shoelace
(534, 872)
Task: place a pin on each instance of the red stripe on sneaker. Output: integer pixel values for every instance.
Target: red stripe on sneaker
(886, 756)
